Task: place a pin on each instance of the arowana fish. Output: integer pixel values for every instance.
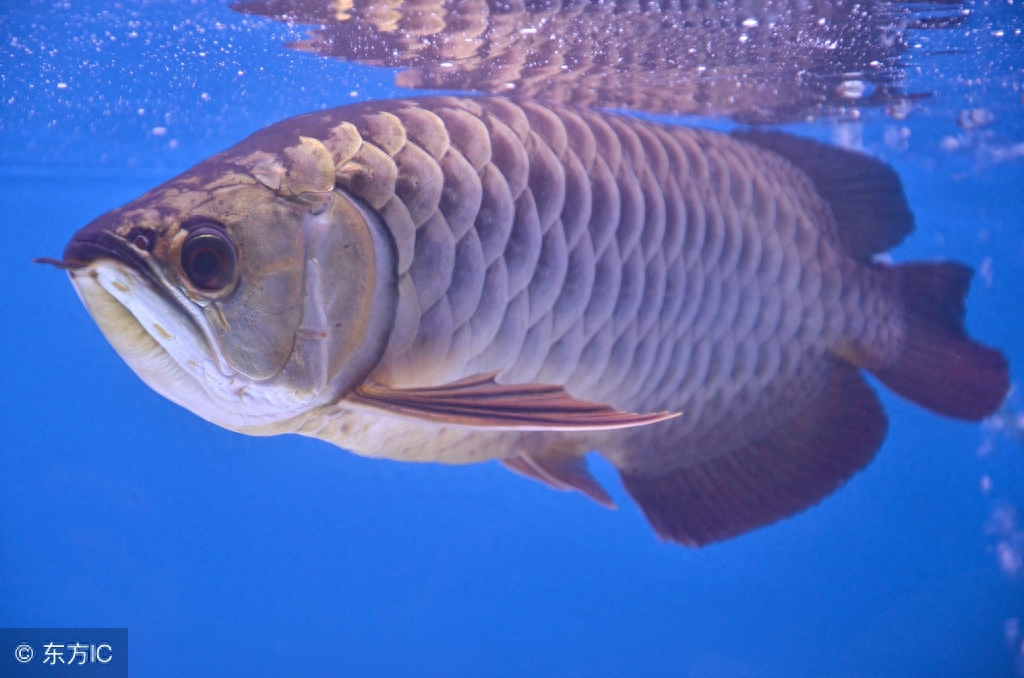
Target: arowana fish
(458, 280)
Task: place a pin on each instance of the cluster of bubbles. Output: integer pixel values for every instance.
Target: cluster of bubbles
(85, 86)
(1003, 527)
(1015, 641)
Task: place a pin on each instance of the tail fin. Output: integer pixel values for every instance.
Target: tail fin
(940, 367)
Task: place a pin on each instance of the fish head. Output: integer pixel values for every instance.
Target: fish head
(247, 289)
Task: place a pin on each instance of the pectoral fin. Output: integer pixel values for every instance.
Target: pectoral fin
(481, 402)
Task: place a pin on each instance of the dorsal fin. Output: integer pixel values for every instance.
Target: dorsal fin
(865, 193)
(800, 463)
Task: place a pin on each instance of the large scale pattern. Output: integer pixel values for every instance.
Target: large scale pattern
(650, 267)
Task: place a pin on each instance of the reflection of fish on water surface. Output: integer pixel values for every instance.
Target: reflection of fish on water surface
(458, 280)
(757, 61)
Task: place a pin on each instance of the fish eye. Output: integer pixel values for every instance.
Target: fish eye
(208, 258)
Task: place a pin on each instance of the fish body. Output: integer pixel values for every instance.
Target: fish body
(458, 280)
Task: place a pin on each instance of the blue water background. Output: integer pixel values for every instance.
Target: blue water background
(227, 555)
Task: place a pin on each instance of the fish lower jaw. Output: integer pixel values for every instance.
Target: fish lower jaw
(172, 358)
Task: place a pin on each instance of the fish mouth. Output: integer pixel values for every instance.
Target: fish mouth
(99, 261)
(94, 243)
(157, 340)
(156, 329)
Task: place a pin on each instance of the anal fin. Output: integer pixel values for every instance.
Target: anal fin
(565, 474)
(481, 402)
(786, 471)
